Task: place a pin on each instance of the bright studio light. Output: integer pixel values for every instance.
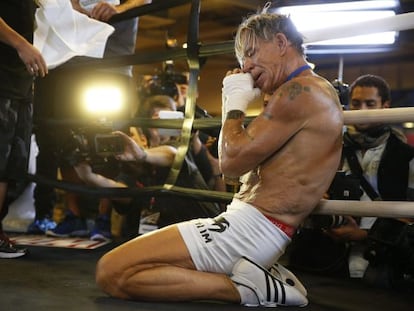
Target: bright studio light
(102, 100)
(408, 125)
(322, 16)
(341, 6)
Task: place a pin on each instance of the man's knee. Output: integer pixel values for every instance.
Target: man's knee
(108, 278)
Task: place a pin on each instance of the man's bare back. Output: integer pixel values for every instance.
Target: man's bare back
(290, 182)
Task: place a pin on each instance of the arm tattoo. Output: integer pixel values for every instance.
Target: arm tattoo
(294, 89)
(235, 114)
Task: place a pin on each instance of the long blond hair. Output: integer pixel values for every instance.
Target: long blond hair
(264, 26)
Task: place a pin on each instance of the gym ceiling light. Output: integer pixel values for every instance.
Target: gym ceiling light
(321, 16)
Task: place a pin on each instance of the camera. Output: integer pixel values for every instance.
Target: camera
(108, 145)
(164, 83)
(390, 247)
(342, 90)
(327, 221)
(343, 187)
(390, 239)
(90, 144)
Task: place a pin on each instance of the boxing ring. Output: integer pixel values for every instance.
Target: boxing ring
(192, 54)
(392, 209)
(63, 278)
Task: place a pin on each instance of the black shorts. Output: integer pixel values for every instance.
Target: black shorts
(15, 137)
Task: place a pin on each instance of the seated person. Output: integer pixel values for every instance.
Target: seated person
(378, 157)
(198, 153)
(151, 166)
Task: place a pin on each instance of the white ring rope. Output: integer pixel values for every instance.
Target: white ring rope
(391, 115)
(392, 209)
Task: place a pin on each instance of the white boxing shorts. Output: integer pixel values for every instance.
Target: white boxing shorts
(216, 244)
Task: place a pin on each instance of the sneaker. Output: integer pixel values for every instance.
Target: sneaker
(282, 273)
(40, 226)
(9, 250)
(102, 229)
(71, 226)
(271, 291)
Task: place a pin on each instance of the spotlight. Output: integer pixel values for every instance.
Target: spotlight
(103, 100)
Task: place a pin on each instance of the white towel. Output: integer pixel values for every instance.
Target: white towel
(63, 33)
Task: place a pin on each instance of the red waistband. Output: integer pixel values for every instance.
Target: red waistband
(288, 229)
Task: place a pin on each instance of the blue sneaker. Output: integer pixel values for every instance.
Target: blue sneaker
(102, 229)
(40, 226)
(71, 226)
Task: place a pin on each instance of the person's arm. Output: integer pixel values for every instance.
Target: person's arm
(159, 156)
(85, 173)
(200, 156)
(103, 11)
(76, 6)
(350, 231)
(287, 112)
(29, 55)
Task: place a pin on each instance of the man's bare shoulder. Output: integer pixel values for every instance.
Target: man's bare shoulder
(304, 102)
(311, 85)
(302, 93)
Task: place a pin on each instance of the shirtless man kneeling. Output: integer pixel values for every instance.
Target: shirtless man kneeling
(287, 157)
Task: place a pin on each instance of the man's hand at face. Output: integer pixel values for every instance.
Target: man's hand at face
(238, 92)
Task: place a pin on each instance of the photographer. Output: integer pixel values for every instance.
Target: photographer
(146, 161)
(378, 156)
(174, 85)
(385, 162)
(148, 167)
(134, 155)
(197, 170)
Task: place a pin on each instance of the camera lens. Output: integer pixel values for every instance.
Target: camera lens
(327, 221)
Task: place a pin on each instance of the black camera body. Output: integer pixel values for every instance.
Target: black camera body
(327, 221)
(107, 145)
(94, 145)
(343, 187)
(342, 90)
(390, 247)
(164, 83)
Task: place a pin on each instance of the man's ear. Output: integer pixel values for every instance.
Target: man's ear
(282, 42)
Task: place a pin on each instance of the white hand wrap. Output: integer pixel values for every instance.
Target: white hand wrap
(238, 92)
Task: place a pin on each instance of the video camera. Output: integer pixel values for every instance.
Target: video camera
(91, 144)
(164, 83)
